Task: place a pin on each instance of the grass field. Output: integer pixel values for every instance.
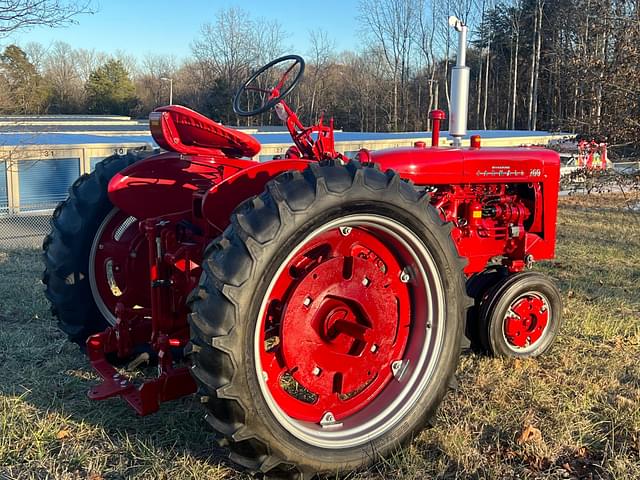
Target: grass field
(575, 413)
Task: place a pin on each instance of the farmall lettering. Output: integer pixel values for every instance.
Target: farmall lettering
(315, 303)
(500, 171)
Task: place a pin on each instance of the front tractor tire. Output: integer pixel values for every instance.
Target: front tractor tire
(520, 316)
(326, 325)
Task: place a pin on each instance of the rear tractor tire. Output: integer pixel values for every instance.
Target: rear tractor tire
(327, 322)
(520, 316)
(81, 298)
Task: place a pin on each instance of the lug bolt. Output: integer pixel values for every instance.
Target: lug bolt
(366, 282)
(374, 348)
(404, 276)
(316, 371)
(345, 231)
(327, 419)
(307, 301)
(396, 366)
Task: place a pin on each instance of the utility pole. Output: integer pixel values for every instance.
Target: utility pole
(170, 80)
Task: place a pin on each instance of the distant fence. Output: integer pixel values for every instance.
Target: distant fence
(34, 180)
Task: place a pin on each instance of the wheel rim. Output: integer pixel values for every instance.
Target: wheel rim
(526, 322)
(118, 265)
(350, 331)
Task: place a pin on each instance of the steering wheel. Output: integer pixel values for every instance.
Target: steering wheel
(273, 96)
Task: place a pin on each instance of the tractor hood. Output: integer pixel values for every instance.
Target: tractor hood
(432, 166)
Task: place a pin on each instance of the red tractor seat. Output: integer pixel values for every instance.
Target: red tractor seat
(183, 130)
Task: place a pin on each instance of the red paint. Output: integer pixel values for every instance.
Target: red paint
(222, 198)
(122, 256)
(527, 319)
(166, 183)
(183, 130)
(592, 155)
(436, 116)
(521, 183)
(340, 332)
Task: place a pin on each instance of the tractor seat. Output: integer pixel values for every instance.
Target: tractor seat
(183, 130)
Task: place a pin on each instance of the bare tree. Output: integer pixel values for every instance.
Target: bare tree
(267, 38)
(37, 54)
(515, 17)
(427, 26)
(535, 65)
(129, 62)
(321, 53)
(225, 46)
(62, 74)
(391, 24)
(230, 46)
(151, 88)
(87, 61)
(21, 14)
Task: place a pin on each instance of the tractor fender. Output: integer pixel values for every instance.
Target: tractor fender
(165, 183)
(222, 198)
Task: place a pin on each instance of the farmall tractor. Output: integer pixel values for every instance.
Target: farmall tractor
(316, 303)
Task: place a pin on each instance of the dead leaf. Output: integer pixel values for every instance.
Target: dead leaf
(530, 435)
(581, 452)
(62, 434)
(567, 467)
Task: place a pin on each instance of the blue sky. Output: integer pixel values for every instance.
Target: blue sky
(165, 26)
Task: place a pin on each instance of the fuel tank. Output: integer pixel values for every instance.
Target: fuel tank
(437, 166)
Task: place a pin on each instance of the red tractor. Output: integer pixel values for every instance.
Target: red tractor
(315, 303)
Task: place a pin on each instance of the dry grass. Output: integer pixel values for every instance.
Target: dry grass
(574, 413)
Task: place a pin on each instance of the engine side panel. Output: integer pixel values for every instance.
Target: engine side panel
(503, 202)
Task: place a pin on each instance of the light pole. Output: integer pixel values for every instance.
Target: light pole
(170, 80)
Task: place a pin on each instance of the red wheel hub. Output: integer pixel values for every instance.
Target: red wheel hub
(526, 320)
(338, 317)
(120, 263)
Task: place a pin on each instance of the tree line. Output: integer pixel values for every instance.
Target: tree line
(571, 65)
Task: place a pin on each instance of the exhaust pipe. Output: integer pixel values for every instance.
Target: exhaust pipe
(459, 86)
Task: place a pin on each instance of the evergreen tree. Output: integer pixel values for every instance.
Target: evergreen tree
(24, 90)
(109, 90)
